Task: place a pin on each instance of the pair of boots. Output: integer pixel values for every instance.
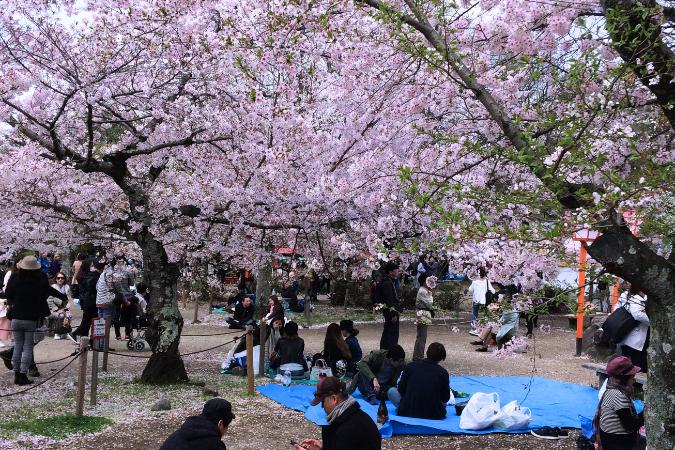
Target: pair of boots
(6, 357)
(21, 379)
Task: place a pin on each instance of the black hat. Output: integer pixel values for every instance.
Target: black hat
(218, 409)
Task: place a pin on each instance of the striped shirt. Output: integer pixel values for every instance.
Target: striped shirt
(612, 401)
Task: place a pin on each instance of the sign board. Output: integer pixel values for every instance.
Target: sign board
(98, 333)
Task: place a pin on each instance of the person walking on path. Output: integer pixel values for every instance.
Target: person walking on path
(349, 428)
(205, 431)
(27, 292)
(478, 290)
(87, 280)
(386, 294)
(424, 315)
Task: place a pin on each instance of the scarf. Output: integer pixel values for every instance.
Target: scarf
(339, 409)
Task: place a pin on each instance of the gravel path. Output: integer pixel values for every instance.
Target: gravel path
(261, 423)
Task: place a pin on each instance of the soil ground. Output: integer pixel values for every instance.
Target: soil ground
(262, 423)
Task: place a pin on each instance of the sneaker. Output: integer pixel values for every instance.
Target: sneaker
(474, 333)
(57, 337)
(545, 433)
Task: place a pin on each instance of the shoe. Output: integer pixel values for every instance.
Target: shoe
(33, 372)
(474, 333)
(126, 338)
(119, 338)
(545, 433)
(21, 379)
(562, 434)
(482, 349)
(7, 358)
(57, 337)
(476, 342)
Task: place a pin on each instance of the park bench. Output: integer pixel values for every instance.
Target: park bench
(601, 372)
(588, 318)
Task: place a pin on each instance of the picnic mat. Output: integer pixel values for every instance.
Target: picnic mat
(552, 403)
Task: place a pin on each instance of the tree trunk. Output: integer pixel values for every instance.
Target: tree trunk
(622, 254)
(263, 288)
(165, 321)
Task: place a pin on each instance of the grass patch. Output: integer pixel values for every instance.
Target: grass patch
(57, 427)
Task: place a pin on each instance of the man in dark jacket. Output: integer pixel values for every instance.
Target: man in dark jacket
(386, 294)
(348, 428)
(378, 373)
(205, 431)
(424, 388)
(243, 314)
(86, 280)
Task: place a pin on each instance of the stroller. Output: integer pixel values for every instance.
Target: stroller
(137, 340)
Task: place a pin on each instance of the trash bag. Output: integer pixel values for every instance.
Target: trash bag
(514, 417)
(481, 412)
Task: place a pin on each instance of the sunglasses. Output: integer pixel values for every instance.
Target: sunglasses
(60, 278)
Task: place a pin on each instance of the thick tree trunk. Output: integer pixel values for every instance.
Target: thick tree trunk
(622, 254)
(165, 320)
(263, 287)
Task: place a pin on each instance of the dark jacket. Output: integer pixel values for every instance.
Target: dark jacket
(197, 432)
(27, 292)
(87, 286)
(424, 389)
(243, 314)
(277, 313)
(291, 350)
(352, 430)
(387, 293)
(371, 365)
(355, 350)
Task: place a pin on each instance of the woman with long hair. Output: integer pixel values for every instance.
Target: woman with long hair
(334, 346)
(350, 333)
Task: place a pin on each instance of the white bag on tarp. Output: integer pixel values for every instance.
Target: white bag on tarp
(514, 417)
(481, 412)
(241, 359)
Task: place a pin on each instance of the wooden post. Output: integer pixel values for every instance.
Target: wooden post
(249, 359)
(195, 314)
(263, 349)
(82, 376)
(104, 365)
(94, 378)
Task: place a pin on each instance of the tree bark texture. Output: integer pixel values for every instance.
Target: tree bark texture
(165, 321)
(263, 287)
(622, 254)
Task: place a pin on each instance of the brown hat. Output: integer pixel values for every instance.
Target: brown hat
(621, 366)
(28, 263)
(327, 386)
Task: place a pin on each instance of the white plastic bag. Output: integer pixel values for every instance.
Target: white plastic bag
(514, 417)
(480, 412)
(451, 401)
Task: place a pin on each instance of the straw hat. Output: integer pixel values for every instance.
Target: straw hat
(29, 263)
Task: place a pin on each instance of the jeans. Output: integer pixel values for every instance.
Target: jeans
(23, 344)
(366, 389)
(475, 309)
(420, 342)
(389, 331)
(394, 396)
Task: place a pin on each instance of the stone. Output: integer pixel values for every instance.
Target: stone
(163, 404)
(210, 392)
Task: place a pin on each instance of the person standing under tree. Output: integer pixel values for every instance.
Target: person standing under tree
(387, 295)
(478, 290)
(424, 314)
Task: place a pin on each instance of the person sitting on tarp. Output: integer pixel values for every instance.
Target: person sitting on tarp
(290, 296)
(424, 387)
(378, 373)
(289, 351)
(243, 314)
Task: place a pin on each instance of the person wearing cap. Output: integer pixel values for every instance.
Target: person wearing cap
(425, 313)
(205, 431)
(617, 420)
(378, 373)
(350, 333)
(424, 387)
(348, 426)
(27, 292)
(386, 293)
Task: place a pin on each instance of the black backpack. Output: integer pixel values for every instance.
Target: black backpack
(617, 326)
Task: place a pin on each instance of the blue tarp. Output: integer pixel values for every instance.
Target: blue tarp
(552, 403)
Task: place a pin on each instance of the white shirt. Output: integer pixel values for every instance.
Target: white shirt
(479, 288)
(635, 304)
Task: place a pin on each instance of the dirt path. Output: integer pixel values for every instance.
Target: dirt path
(262, 423)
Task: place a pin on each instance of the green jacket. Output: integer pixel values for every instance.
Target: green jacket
(370, 365)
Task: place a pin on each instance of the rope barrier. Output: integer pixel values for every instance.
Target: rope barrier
(58, 360)
(43, 381)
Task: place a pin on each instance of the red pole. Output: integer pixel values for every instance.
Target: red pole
(580, 299)
(615, 297)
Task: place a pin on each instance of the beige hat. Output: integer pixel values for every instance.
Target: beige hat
(29, 263)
